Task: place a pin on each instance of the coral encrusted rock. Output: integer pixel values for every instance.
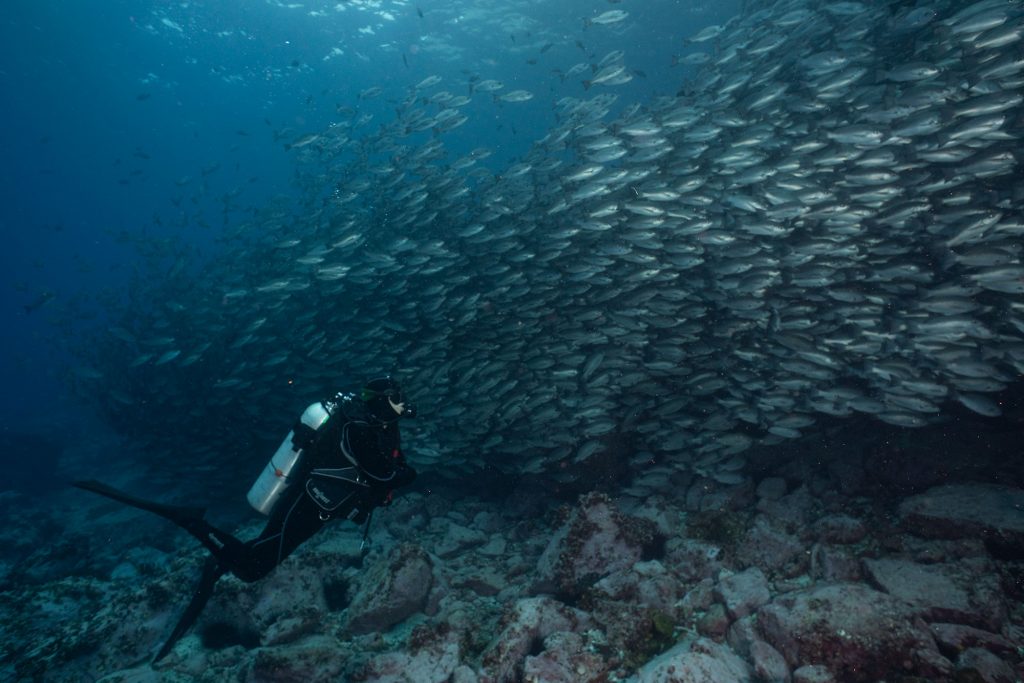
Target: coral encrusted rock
(965, 592)
(524, 628)
(702, 661)
(595, 541)
(393, 589)
(993, 512)
(857, 633)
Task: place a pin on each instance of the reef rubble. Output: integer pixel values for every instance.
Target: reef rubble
(787, 575)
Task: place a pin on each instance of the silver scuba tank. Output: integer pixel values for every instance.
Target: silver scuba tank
(275, 478)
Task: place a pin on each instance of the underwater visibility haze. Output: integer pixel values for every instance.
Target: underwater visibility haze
(713, 314)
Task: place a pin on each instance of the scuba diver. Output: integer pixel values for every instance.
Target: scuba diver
(342, 459)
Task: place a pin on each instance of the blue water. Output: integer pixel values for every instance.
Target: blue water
(129, 124)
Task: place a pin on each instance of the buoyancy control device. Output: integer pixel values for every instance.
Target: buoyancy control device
(277, 476)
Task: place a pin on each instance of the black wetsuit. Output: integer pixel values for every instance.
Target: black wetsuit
(350, 439)
(352, 465)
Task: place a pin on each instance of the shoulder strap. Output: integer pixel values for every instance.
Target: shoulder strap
(346, 446)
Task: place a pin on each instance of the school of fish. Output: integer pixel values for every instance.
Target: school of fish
(825, 221)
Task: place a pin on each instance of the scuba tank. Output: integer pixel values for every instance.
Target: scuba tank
(276, 476)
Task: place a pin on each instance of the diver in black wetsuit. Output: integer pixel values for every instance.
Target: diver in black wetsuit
(346, 465)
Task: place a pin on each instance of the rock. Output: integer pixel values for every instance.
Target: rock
(565, 659)
(463, 674)
(633, 632)
(79, 625)
(142, 674)
(336, 550)
(315, 660)
(125, 571)
(841, 529)
(985, 665)
(528, 622)
(665, 517)
(433, 506)
(647, 584)
(458, 539)
(594, 542)
(291, 629)
(743, 593)
(392, 590)
(858, 633)
(715, 622)
(831, 564)
(953, 639)
(702, 661)
(932, 665)
(769, 664)
(797, 583)
(692, 560)
(486, 583)
(771, 488)
(292, 587)
(489, 522)
(433, 662)
(771, 550)
(815, 673)
(407, 514)
(735, 497)
(697, 599)
(993, 512)
(496, 547)
(742, 634)
(792, 512)
(961, 592)
(932, 550)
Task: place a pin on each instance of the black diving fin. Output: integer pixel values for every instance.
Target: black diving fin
(182, 516)
(212, 571)
(223, 545)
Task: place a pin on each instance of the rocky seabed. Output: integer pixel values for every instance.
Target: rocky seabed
(782, 578)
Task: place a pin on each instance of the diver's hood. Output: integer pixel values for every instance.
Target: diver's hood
(379, 398)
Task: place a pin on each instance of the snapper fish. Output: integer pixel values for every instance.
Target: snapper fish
(705, 272)
(516, 96)
(44, 298)
(706, 34)
(612, 16)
